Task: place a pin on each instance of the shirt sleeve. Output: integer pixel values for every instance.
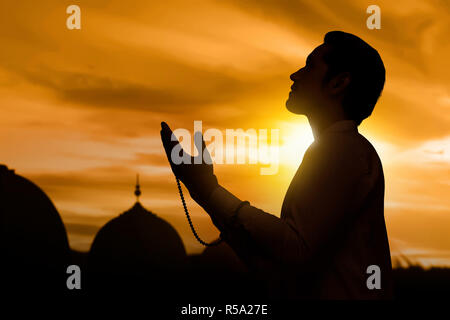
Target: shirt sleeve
(324, 196)
(250, 231)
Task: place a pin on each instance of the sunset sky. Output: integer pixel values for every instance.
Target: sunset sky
(81, 109)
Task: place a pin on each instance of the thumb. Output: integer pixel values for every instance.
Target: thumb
(170, 141)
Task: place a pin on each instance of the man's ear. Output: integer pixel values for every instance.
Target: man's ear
(340, 82)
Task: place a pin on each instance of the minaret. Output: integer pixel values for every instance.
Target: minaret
(137, 191)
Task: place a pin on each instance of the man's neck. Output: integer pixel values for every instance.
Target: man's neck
(322, 121)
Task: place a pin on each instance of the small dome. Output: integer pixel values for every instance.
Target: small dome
(138, 239)
(137, 246)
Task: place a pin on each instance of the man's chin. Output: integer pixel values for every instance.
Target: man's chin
(293, 106)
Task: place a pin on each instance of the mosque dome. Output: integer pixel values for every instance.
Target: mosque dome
(137, 243)
(33, 235)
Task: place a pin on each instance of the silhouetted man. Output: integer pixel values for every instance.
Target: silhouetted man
(332, 225)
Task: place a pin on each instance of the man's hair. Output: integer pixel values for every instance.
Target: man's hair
(351, 54)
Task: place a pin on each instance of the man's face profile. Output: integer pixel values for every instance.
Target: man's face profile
(307, 91)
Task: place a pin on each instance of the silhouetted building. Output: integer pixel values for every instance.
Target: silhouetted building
(137, 249)
(34, 245)
(222, 258)
(218, 273)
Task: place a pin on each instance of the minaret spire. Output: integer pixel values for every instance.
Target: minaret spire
(137, 191)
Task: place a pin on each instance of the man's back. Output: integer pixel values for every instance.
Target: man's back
(336, 205)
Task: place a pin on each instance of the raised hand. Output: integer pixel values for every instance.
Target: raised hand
(197, 174)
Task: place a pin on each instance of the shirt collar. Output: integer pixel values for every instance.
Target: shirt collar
(340, 126)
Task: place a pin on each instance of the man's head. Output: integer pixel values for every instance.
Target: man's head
(342, 72)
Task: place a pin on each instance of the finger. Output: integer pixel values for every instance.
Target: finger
(202, 150)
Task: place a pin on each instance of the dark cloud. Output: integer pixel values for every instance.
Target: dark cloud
(101, 182)
(405, 223)
(90, 90)
(398, 120)
(80, 228)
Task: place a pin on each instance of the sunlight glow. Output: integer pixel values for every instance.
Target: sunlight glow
(296, 138)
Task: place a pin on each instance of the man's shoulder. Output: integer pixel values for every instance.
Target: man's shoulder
(345, 142)
(346, 147)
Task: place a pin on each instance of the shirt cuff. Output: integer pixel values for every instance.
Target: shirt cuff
(222, 205)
